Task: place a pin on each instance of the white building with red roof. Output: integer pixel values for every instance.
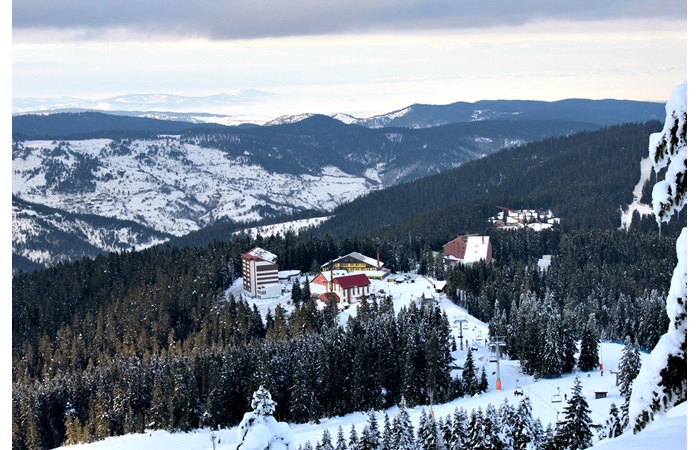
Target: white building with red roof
(350, 287)
(260, 272)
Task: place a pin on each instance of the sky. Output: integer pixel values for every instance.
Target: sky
(363, 57)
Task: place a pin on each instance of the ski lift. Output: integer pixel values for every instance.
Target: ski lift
(493, 358)
(556, 398)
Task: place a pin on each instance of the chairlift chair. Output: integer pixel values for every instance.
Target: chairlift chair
(556, 398)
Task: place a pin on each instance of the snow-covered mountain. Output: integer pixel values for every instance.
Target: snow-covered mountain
(167, 185)
(174, 177)
(201, 110)
(44, 236)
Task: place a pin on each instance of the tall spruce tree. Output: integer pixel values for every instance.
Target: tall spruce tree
(471, 384)
(662, 382)
(459, 431)
(588, 358)
(427, 432)
(404, 439)
(340, 443)
(628, 369)
(371, 436)
(575, 431)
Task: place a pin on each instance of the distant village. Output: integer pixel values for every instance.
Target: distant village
(349, 277)
(509, 218)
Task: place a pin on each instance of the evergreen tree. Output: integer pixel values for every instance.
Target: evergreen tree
(325, 443)
(371, 436)
(628, 369)
(459, 430)
(524, 430)
(471, 384)
(477, 439)
(552, 355)
(588, 358)
(666, 368)
(427, 431)
(483, 381)
(340, 443)
(491, 427)
(353, 440)
(575, 431)
(259, 425)
(404, 439)
(613, 426)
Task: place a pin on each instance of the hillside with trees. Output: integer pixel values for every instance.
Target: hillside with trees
(130, 340)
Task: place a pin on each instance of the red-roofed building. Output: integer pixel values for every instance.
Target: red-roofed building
(350, 287)
(259, 269)
(467, 249)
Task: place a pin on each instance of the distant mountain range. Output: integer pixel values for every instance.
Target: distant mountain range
(177, 107)
(91, 182)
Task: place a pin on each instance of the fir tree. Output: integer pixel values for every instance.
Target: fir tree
(483, 381)
(325, 443)
(588, 358)
(628, 369)
(575, 431)
(614, 426)
(477, 439)
(340, 443)
(427, 431)
(524, 429)
(459, 430)
(353, 440)
(471, 384)
(404, 438)
(663, 378)
(371, 436)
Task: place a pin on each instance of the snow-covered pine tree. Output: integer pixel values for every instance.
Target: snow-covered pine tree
(371, 436)
(575, 432)
(353, 440)
(475, 430)
(340, 443)
(507, 420)
(445, 428)
(614, 426)
(471, 384)
(662, 382)
(628, 369)
(326, 443)
(404, 439)
(387, 435)
(491, 429)
(588, 358)
(552, 354)
(459, 431)
(524, 428)
(483, 380)
(259, 430)
(427, 432)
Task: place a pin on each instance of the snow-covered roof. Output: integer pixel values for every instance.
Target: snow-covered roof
(477, 248)
(360, 257)
(258, 253)
(336, 273)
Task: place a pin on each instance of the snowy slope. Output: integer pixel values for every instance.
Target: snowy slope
(166, 185)
(670, 430)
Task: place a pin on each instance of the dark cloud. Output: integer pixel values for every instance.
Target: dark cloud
(232, 19)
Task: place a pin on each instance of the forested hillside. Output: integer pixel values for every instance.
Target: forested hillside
(584, 179)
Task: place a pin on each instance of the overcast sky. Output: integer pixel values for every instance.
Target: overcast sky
(361, 57)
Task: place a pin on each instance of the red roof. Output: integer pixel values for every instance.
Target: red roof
(350, 281)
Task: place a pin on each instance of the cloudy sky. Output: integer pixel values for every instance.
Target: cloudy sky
(361, 57)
